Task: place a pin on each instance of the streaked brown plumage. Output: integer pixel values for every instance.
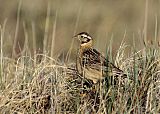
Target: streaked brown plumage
(90, 63)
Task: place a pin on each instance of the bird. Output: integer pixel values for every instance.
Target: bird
(90, 63)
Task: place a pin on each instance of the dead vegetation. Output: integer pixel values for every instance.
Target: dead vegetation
(49, 86)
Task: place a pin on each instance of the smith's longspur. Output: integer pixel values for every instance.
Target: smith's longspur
(90, 63)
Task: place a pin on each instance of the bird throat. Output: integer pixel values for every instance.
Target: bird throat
(86, 46)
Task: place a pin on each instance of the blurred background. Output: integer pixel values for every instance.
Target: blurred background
(48, 25)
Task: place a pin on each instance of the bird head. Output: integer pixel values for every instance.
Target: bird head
(85, 39)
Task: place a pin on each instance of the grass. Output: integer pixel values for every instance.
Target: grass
(41, 84)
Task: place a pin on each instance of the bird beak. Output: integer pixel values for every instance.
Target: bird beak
(77, 36)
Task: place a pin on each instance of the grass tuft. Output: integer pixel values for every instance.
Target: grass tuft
(49, 86)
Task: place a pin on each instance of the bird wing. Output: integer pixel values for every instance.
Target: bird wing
(93, 59)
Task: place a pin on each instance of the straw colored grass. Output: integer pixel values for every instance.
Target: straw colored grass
(48, 86)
